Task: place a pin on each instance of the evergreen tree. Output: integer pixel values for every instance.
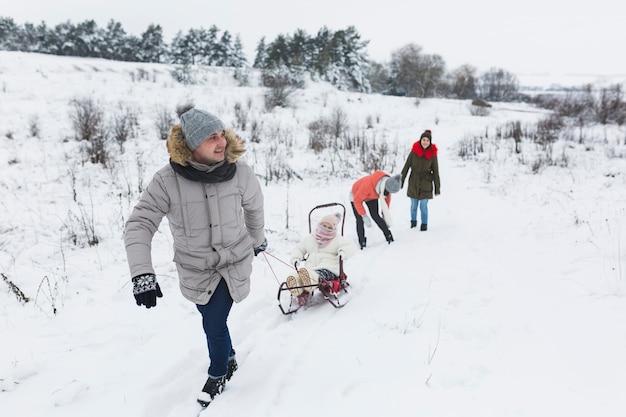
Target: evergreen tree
(44, 38)
(85, 37)
(196, 42)
(63, 38)
(113, 41)
(223, 50)
(299, 50)
(261, 57)
(9, 34)
(339, 58)
(321, 53)
(210, 49)
(131, 49)
(278, 53)
(238, 58)
(28, 38)
(152, 47)
(350, 58)
(180, 53)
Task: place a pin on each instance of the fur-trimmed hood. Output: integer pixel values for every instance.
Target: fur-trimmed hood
(180, 152)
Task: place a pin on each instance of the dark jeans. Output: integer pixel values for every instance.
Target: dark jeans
(372, 206)
(214, 317)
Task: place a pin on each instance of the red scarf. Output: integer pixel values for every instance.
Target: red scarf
(427, 153)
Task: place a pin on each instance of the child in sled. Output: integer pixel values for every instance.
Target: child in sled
(320, 251)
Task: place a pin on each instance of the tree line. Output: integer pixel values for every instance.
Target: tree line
(338, 57)
(87, 39)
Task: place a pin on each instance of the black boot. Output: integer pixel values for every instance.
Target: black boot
(363, 243)
(413, 223)
(212, 388)
(423, 227)
(389, 237)
(232, 367)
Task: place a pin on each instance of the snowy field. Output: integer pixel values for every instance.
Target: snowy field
(512, 304)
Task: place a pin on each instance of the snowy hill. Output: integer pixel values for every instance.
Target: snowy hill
(512, 304)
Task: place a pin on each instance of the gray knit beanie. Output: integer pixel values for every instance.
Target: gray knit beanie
(198, 125)
(393, 184)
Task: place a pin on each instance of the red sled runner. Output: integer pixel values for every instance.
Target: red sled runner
(335, 291)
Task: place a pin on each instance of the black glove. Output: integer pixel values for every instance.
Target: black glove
(261, 247)
(146, 290)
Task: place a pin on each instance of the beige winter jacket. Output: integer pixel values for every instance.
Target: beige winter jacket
(215, 226)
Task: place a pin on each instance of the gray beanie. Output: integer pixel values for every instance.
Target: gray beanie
(393, 184)
(198, 125)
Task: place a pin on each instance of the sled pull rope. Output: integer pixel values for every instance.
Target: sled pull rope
(270, 265)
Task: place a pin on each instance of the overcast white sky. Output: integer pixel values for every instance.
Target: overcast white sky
(538, 36)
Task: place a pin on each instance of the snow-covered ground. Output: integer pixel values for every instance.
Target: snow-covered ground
(511, 304)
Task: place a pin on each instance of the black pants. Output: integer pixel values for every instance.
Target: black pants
(372, 206)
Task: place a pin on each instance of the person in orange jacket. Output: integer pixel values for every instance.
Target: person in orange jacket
(373, 191)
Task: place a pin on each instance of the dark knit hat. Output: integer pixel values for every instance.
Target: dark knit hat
(198, 125)
(427, 133)
(393, 184)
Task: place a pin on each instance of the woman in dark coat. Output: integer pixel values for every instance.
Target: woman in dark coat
(422, 161)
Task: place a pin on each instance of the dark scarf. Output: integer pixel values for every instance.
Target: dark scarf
(222, 173)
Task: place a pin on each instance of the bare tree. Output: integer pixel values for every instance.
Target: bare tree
(499, 85)
(463, 82)
(404, 66)
(415, 74)
(611, 106)
(378, 76)
(88, 121)
(281, 85)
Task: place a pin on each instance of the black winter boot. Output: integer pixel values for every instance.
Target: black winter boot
(389, 237)
(232, 367)
(363, 243)
(423, 227)
(212, 388)
(413, 223)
